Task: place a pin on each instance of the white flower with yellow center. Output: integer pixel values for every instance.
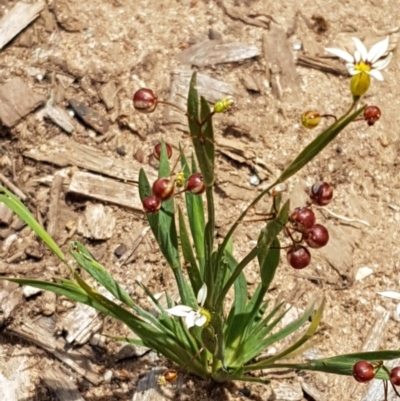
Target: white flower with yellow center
(200, 317)
(364, 64)
(365, 61)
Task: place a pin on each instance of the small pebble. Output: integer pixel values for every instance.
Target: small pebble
(108, 374)
(363, 272)
(254, 180)
(29, 291)
(120, 250)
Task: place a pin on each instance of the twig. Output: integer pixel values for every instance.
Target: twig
(346, 219)
(136, 243)
(13, 187)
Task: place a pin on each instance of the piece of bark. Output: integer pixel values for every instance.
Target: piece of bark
(60, 117)
(90, 117)
(12, 187)
(17, 100)
(10, 298)
(80, 323)
(210, 88)
(17, 19)
(98, 222)
(108, 92)
(279, 58)
(284, 391)
(105, 190)
(6, 215)
(60, 384)
(213, 52)
(36, 334)
(75, 154)
(322, 64)
(53, 214)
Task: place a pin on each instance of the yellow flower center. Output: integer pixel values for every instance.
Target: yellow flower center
(207, 314)
(362, 67)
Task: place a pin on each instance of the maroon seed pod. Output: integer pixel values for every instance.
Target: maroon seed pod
(363, 371)
(298, 257)
(395, 376)
(321, 193)
(163, 188)
(372, 114)
(317, 236)
(303, 218)
(195, 184)
(145, 100)
(157, 150)
(151, 204)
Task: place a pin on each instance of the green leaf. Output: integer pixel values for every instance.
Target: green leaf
(12, 202)
(99, 273)
(318, 144)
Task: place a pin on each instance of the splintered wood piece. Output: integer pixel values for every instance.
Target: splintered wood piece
(210, 88)
(6, 215)
(43, 338)
(60, 384)
(211, 52)
(81, 323)
(53, 214)
(90, 117)
(8, 184)
(322, 64)
(74, 154)
(279, 57)
(17, 19)
(60, 117)
(98, 222)
(106, 190)
(10, 298)
(108, 92)
(17, 100)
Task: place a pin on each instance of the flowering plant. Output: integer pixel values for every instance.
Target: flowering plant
(205, 335)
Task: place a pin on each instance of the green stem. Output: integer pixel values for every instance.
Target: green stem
(209, 245)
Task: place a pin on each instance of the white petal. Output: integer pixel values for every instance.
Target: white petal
(390, 294)
(191, 319)
(357, 57)
(360, 48)
(354, 72)
(200, 321)
(350, 68)
(378, 50)
(382, 64)
(179, 310)
(341, 54)
(202, 295)
(376, 74)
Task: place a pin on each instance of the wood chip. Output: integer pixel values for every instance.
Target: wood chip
(322, 64)
(60, 384)
(90, 117)
(105, 190)
(17, 19)
(279, 58)
(213, 52)
(74, 154)
(60, 117)
(53, 214)
(6, 215)
(10, 298)
(17, 100)
(98, 222)
(108, 92)
(283, 391)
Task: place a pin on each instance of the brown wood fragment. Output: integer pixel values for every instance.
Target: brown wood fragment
(74, 154)
(279, 58)
(6, 215)
(13, 188)
(60, 384)
(98, 222)
(53, 214)
(108, 92)
(322, 64)
(90, 117)
(17, 19)
(43, 338)
(17, 100)
(105, 190)
(10, 298)
(213, 52)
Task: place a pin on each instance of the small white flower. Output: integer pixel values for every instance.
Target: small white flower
(193, 317)
(364, 61)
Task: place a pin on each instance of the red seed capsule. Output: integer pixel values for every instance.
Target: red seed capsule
(321, 193)
(363, 371)
(303, 218)
(195, 184)
(157, 150)
(317, 236)
(372, 114)
(151, 204)
(298, 257)
(145, 100)
(395, 376)
(163, 188)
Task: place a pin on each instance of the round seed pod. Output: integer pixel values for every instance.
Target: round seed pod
(145, 100)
